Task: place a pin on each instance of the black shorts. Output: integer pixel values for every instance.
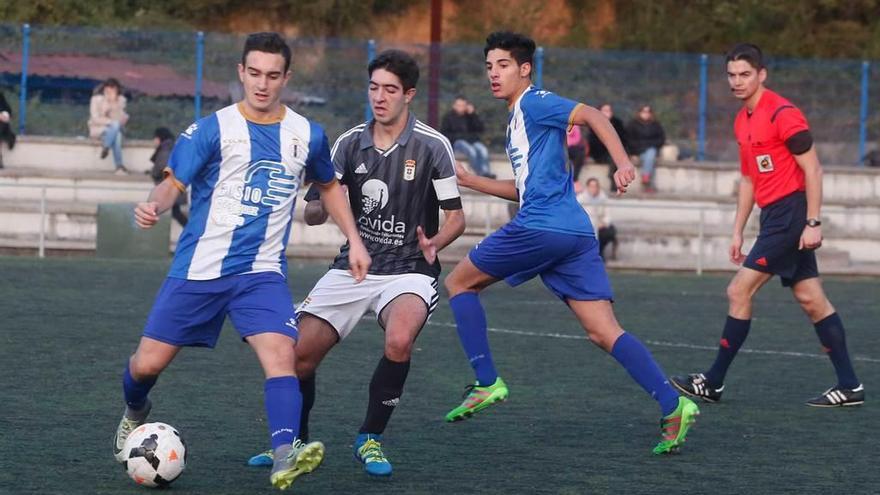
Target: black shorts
(776, 249)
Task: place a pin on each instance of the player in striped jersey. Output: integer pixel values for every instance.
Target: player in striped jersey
(245, 164)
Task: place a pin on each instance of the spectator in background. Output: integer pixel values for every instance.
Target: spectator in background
(163, 139)
(646, 137)
(463, 127)
(595, 202)
(598, 152)
(577, 153)
(872, 158)
(6, 133)
(107, 118)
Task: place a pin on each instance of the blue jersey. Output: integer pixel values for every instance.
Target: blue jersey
(536, 147)
(244, 177)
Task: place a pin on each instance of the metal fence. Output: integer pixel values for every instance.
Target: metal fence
(173, 77)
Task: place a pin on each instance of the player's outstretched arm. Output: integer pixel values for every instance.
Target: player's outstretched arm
(811, 238)
(744, 203)
(161, 199)
(504, 189)
(336, 204)
(601, 126)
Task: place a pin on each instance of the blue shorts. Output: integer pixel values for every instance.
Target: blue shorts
(569, 265)
(191, 312)
(776, 249)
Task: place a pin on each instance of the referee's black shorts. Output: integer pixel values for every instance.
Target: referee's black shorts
(776, 249)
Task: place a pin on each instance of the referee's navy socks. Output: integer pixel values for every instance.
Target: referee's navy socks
(470, 321)
(638, 362)
(135, 392)
(833, 339)
(732, 338)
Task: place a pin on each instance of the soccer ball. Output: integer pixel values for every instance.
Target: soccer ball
(155, 455)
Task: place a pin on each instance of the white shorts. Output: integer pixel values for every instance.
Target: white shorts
(340, 302)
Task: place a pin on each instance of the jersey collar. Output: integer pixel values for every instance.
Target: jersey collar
(520, 97)
(273, 119)
(367, 135)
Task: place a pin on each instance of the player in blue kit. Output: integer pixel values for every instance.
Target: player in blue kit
(551, 236)
(245, 164)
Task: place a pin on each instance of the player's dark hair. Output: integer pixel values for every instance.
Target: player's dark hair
(399, 63)
(748, 52)
(520, 46)
(592, 179)
(268, 43)
(112, 83)
(163, 133)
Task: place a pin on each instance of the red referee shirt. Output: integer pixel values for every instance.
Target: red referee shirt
(763, 155)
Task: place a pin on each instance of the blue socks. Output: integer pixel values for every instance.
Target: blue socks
(470, 320)
(635, 357)
(135, 392)
(732, 338)
(833, 339)
(283, 407)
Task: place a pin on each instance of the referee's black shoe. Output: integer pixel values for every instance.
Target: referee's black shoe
(695, 385)
(839, 397)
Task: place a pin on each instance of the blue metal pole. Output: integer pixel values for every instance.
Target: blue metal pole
(371, 54)
(200, 62)
(539, 67)
(701, 127)
(22, 93)
(863, 112)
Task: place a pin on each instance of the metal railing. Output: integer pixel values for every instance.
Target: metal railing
(41, 245)
(488, 226)
(489, 221)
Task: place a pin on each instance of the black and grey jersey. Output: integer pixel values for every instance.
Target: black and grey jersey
(395, 190)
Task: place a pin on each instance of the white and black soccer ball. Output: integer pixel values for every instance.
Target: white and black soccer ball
(155, 455)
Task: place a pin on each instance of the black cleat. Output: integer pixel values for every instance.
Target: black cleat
(696, 386)
(839, 397)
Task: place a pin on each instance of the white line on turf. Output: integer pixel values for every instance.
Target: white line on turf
(661, 343)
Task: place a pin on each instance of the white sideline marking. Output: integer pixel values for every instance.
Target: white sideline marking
(661, 343)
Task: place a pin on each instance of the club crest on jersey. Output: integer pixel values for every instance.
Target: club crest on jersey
(765, 163)
(409, 170)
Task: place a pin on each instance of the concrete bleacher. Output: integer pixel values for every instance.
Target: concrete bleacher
(54, 155)
(655, 230)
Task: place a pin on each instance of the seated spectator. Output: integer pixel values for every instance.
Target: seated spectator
(872, 158)
(646, 137)
(6, 133)
(463, 127)
(595, 201)
(164, 142)
(577, 153)
(598, 151)
(107, 118)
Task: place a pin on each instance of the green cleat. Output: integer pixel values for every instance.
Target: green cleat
(674, 428)
(478, 398)
(293, 461)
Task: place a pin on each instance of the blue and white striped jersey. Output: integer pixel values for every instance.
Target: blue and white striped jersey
(244, 177)
(536, 147)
